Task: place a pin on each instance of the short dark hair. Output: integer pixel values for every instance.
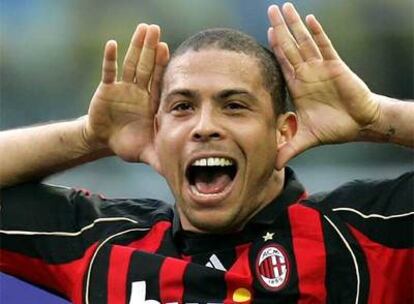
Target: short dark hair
(236, 41)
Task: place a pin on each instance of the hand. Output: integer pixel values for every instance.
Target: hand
(121, 113)
(332, 103)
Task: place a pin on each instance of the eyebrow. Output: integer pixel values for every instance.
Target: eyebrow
(220, 95)
(183, 92)
(236, 91)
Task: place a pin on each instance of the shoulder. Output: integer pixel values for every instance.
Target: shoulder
(385, 196)
(143, 210)
(383, 210)
(74, 207)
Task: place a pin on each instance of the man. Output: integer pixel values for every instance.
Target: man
(243, 229)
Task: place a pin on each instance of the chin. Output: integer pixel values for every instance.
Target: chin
(213, 221)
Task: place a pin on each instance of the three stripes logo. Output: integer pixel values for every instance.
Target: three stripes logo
(272, 267)
(215, 263)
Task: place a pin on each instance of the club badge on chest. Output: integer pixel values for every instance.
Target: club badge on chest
(272, 265)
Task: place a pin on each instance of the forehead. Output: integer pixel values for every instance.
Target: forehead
(212, 70)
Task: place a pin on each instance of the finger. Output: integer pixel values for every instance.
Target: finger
(282, 37)
(147, 58)
(322, 40)
(307, 46)
(286, 67)
(109, 65)
(133, 53)
(161, 61)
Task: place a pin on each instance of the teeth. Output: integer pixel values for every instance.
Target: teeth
(213, 161)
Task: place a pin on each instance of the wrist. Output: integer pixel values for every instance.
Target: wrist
(393, 123)
(376, 130)
(90, 143)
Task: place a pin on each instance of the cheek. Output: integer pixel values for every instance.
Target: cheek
(257, 139)
(170, 136)
(170, 141)
(260, 152)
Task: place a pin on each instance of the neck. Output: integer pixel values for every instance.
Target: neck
(272, 191)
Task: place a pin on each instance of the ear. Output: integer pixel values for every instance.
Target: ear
(287, 126)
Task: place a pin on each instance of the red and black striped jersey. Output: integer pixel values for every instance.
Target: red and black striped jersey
(352, 245)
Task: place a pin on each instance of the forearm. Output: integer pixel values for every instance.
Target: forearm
(36, 152)
(395, 123)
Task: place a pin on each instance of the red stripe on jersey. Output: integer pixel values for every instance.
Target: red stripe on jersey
(152, 240)
(66, 278)
(118, 272)
(391, 271)
(171, 280)
(310, 254)
(239, 275)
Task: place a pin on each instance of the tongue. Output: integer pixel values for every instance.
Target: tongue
(210, 184)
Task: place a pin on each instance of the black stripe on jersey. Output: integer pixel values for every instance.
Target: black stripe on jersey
(205, 281)
(98, 278)
(364, 204)
(51, 249)
(145, 267)
(167, 247)
(341, 274)
(227, 257)
(282, 236)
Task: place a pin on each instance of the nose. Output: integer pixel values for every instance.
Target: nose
(207, 127)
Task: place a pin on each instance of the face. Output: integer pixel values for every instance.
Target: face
(217, 139)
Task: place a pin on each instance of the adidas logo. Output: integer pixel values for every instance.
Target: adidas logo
(214, 262)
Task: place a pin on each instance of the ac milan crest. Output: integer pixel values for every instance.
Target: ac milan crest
(272, 267)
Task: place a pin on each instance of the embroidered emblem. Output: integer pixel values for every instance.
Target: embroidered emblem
(268, 236)
(273, 267)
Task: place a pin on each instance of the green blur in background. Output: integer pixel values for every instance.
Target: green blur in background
(51, 53)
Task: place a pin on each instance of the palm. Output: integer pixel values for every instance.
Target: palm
(121, 114)
(333, 105)
(327, 96)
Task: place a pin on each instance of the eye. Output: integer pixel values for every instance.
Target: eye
(182, 107)
(234, 105)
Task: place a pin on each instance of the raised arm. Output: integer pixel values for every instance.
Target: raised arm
(333, 104)
(119, 120)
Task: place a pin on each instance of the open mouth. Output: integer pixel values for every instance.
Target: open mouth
(211, 175)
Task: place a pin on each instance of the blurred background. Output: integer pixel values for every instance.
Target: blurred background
(50, 59)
